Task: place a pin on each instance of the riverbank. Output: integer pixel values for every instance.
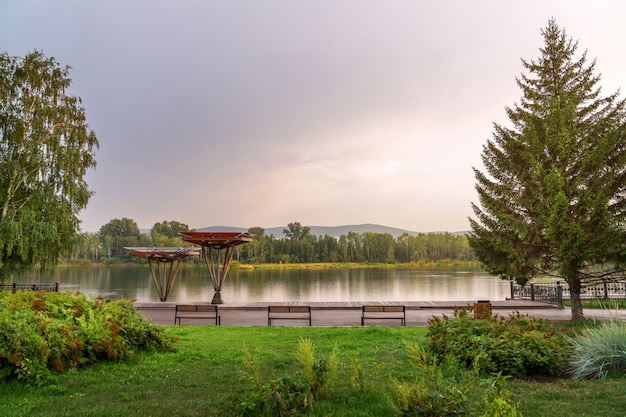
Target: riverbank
(441, 265)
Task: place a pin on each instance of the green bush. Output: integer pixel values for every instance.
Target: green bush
(598, 349)
(517, 345)
(42, 333)
(447, 389)
(289, 395)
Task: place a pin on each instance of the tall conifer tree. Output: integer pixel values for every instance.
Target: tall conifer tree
(553, 194)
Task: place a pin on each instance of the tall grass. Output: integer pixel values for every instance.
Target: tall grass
(598, 350)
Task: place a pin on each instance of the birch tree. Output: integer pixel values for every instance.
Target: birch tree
(46, 148)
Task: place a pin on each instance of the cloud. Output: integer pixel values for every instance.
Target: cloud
(263, 113)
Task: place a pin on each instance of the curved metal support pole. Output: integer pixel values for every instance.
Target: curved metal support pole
(162, 277)
(214, 272)
(218, 276)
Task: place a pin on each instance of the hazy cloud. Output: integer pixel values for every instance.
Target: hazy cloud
(323, 112)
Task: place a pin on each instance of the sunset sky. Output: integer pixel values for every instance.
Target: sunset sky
(262, 113)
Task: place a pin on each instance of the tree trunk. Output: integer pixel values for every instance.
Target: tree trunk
(577, 305)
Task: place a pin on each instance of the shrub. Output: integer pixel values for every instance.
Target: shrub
(23, 349)
(42, 333)
(320, 373)
(517, 345)
(289, 395)
(597, 350)
(447, 389)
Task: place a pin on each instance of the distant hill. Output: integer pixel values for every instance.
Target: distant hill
(334, 231)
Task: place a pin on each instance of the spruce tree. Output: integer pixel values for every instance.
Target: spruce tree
(553, 194)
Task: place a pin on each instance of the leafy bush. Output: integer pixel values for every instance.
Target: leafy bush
(598, 350)
(518, 345)
(289, 395)
(445, 389)
(42, 333)
(320, 373)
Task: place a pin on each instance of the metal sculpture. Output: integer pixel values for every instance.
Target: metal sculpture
(212, 244)
(163, 277)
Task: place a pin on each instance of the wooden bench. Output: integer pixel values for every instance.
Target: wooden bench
(197, 311)
(383, 313)
(288, 313)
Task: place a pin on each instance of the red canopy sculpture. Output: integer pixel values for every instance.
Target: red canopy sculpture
(163, 278)
(217, 241)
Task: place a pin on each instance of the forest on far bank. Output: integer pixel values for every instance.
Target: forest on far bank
(297, 245)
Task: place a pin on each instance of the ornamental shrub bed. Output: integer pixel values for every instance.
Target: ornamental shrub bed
(515, 346)
(42, 333)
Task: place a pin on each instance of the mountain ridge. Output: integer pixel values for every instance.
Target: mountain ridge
(334, 231)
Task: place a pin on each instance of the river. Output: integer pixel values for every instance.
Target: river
(282, 285)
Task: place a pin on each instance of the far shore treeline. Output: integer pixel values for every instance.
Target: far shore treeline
(297, 245)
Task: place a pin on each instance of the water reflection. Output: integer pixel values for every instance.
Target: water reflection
(193, 284)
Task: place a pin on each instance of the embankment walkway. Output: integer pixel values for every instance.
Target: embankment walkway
(349, 313)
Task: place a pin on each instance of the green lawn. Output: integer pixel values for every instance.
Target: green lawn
(206, 375)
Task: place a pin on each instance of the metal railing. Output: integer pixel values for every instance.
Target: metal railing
(556, 293)
(12, 288)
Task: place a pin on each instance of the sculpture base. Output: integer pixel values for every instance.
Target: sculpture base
(217, 299)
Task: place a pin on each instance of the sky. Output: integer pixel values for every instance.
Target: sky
(323, 112)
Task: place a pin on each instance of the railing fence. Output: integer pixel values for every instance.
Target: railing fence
(557, 292)
(12, 288)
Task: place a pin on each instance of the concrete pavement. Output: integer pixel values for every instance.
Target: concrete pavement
(349, 313)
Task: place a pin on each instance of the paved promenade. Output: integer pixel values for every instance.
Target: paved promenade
(349, 313)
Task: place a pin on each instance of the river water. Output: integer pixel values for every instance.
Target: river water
(283, 285)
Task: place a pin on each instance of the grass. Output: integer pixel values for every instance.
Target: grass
(206, 375)
(569, 398)
(598, 303)
(444, 264)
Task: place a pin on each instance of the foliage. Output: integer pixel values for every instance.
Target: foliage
(597, 350)
(517, 345)
(422, 250)
(164, 234)
(354, 247)
(43, 333)
(117, 234)
(204, 375)
(46, 148)
(295, 231)
(289, 395)
(552, 200)
(445, 389)
(320, 373)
